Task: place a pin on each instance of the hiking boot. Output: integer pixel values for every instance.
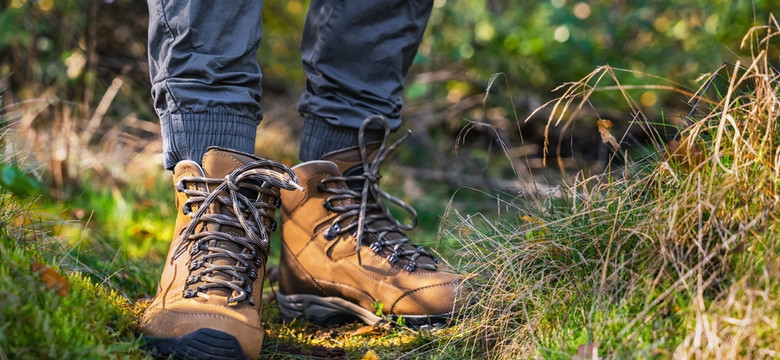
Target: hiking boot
(344, 256)
(208, 301)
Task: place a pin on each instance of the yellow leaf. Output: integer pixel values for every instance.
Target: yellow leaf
(371, 355)
(607, 138)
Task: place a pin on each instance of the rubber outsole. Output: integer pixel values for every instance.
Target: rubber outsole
(201, 344)
(330, 311)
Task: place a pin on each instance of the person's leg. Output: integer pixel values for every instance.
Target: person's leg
(205, 76)
(206, 88)
(342, 256)
(356, 55)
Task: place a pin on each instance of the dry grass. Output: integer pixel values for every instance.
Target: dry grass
(672, 255)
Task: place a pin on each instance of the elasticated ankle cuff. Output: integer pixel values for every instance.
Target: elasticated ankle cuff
(320, 137)
(186, 136)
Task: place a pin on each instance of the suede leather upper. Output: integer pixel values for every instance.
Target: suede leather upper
(312, 264)
(172, 314)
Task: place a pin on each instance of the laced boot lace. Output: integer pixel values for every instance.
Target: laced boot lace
(365, 212)
(241, 266)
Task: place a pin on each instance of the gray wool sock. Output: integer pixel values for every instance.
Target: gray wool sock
(320, 137)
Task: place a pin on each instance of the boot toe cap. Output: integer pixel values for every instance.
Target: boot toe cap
(180, 321)
(442, 299)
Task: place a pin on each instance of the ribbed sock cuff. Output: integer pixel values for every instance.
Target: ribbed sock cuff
(319, 137)
(186, 136)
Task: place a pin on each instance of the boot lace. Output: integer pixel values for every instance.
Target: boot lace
(257, 177)
(371, 212)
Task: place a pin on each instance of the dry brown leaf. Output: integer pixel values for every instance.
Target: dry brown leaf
(51, 279)
(365, 330)
(607, 138)
(684, 152)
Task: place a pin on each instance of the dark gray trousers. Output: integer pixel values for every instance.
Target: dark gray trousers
(206, 83)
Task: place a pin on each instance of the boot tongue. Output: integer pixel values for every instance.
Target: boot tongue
(349, 158)
(350, 163)
(218, 163)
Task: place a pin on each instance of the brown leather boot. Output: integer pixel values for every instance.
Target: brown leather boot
(343, 253)
(208, 301)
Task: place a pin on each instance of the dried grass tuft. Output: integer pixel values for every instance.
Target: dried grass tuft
(672, 255)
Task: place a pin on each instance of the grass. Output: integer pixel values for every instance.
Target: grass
(675, 255)
(48, 312)
(671, 252)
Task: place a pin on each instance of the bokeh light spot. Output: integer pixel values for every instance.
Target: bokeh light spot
(582, 10)
(561, 34)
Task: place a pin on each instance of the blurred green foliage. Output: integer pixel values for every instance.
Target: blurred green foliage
(72, 50)
(17, 182)
(77, 47)
(539, 45)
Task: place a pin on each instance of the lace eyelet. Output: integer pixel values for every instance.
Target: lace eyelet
(252, 275)
(195, 264)
(410, 267)
(192, 279)
(195, 249)
(190, 293)
(321, 186)
(332, 231)
(272, 227)
(277, 202)
(392, 258)
(376, 246)
(327, 205)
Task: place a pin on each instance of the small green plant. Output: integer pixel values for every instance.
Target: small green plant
(377, 305)
(400, 321)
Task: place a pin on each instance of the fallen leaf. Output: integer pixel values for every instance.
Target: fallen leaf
(51, 279)
(604, 126)
(685, 152)
(365, 330)
(371, 355)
